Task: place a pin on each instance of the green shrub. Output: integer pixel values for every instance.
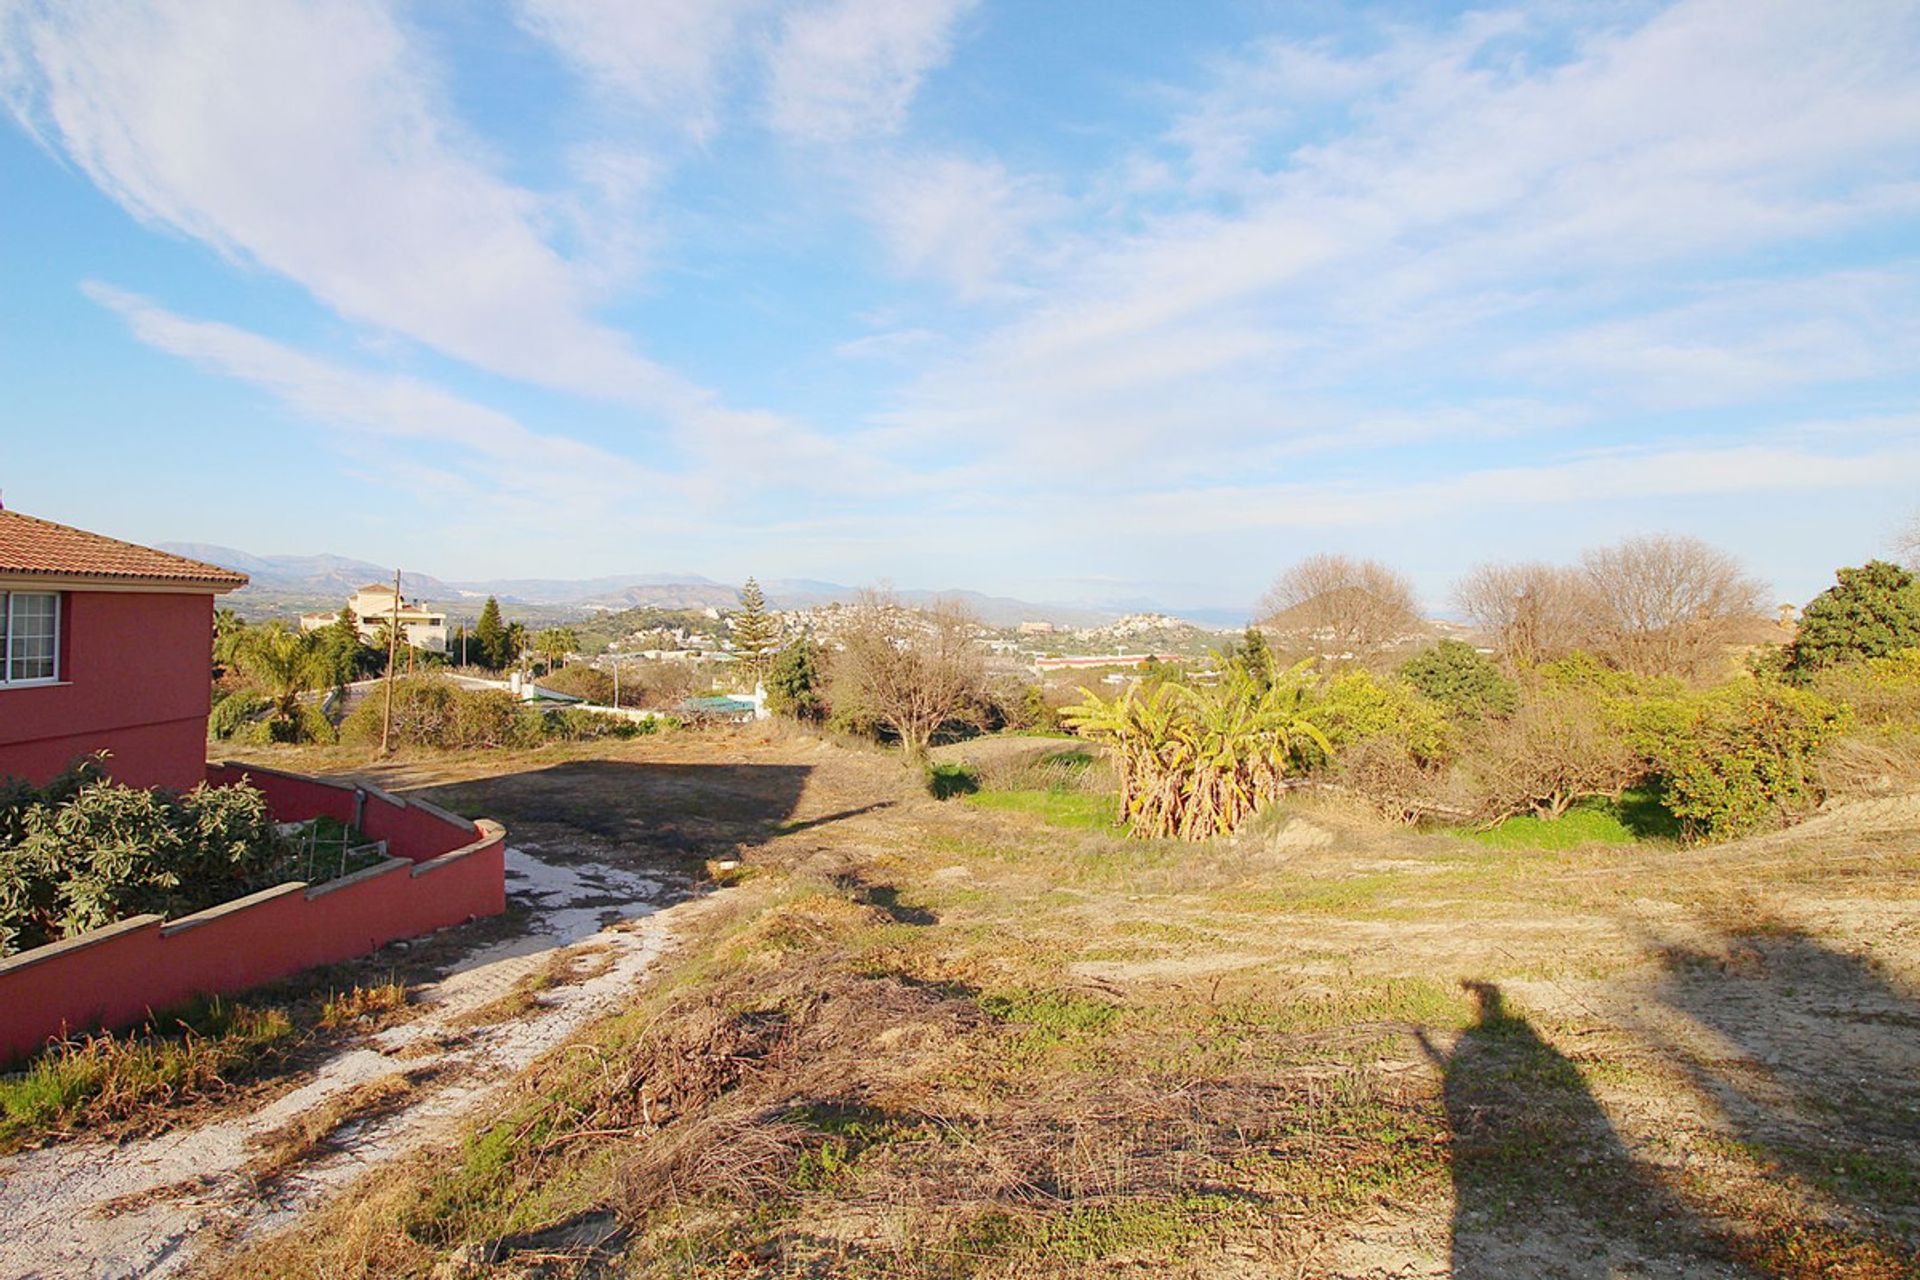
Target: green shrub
(85, 852)
(1738, 758)
(581, 681)
(1882, 694)
(1356, 707)
(429, 711)
(235, 713)
(576, 724)
(1460, 679)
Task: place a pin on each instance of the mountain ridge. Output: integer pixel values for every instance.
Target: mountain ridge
(327, 577)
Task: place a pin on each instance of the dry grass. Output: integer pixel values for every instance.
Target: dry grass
(967, 1044)
(366, 1007)
(314, 1132)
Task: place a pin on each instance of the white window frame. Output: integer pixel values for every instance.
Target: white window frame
(6, 640)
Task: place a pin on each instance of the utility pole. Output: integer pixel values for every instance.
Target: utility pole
(393, 638)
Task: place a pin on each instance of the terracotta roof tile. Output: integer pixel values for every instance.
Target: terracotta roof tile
(41, 548)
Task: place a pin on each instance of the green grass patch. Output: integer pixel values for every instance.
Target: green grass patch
(1077, 810)
(1159, 1228)
(1638, 815)
(1057, 1011)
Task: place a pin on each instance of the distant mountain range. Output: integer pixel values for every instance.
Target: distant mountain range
(324, 581)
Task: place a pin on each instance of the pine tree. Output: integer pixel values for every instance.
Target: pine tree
(756, 633)
(490, 637)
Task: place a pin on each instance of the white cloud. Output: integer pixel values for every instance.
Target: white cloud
(1736, 341)
(1637, 475)
(665, 57)
(311, 141)
(961, 221)
(886, 344)
(841, 70)
(492, 453)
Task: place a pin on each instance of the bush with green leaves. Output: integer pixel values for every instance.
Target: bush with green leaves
(429, 711)
(1739, 758)
(1872, 611)
(1882, 694)
(235, 714)
(796, 681)
(85, 851)
(1356, 706)
(1461, 680)
(577, 724)
(579, 680)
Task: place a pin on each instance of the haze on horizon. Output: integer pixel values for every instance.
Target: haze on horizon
(1068, 302)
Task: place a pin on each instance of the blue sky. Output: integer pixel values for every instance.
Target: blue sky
(1078, 300)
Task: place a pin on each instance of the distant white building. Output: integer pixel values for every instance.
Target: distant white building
(373, 607)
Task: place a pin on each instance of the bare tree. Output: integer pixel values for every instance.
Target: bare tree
(910, 670)
(1340, 606)
(1668, 605)
(1906, 544)
(1532, 612)
(1558, 747)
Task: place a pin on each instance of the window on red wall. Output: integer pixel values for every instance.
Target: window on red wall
(29, 637)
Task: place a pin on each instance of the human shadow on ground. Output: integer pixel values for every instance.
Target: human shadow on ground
(1543, 1184)
(1812, 1057)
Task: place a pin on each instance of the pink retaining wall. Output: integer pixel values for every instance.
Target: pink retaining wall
(443, 870)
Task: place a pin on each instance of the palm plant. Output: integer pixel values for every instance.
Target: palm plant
(283, 665)
(1196, 762)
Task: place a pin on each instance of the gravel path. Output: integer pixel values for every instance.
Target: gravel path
(139, 1208)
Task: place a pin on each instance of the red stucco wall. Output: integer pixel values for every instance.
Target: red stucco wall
(134, 670)
(116, 976)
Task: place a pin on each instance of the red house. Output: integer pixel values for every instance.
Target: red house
(104, 645)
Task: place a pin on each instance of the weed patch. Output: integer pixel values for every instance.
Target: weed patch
(125, 1082)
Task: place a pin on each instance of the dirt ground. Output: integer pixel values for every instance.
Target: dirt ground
(925, 1038)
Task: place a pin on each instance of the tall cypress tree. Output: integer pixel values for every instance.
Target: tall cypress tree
(756, 633)
(490, 637)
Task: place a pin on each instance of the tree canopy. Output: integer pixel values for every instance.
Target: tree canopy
(1869, 612)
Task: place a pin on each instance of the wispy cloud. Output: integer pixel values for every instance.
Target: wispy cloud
(846, 69)
(666, 58)
(314, 142)
(807, 263)
(1438, 206)
(490, 453)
